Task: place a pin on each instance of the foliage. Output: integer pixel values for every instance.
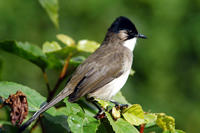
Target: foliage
(53, 55)
(78, 120)
(51, 7)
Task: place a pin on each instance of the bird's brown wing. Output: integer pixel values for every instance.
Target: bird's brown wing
(100, 71)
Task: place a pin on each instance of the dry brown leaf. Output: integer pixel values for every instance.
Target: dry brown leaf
(19, 107)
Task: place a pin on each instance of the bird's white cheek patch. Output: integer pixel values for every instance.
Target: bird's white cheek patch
(130, 44)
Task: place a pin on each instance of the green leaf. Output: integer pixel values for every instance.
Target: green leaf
(57, 58)
(33, 97)
(87, 46)
(150, 119)
(134, 114)
(49, 47)
(57, 116)
(77, 60)
(120, 98)
(165, 122)
(80, 122)
(103, 103)
(5, 122)
(51, 7)
(68, 41)
(27, 51)
(121, 126)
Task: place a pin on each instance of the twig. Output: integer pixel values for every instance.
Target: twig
(142, 128)
(61, 77)
(46, 81)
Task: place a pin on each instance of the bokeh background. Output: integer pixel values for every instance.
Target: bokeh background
(167, 64)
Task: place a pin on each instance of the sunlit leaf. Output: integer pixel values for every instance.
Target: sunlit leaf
(27, 51)
(87, 46)
(165, 122)
(134, 114)
(121, 126)
(103, 103)
(65, 39)
(51, 7)
(34, 98)
(49, 47)
(150, 119)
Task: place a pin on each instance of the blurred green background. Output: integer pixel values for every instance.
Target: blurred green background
(167, 64)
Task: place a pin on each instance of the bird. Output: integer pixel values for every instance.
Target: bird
(105, 71)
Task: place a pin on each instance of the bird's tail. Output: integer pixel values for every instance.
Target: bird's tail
(64, 93)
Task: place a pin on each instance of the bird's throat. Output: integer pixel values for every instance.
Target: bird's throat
(130, 44)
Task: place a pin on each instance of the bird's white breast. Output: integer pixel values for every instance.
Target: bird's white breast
(109, 90)
(130, 44)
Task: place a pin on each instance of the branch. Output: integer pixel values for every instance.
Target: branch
(61, 78)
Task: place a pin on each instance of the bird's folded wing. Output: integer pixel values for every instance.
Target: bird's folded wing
(100, 72)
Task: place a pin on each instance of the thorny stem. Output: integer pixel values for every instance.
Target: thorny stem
(61, 77)
(142, 128)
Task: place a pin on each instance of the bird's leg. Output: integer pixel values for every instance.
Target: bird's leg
(101, 112)
(118, 105)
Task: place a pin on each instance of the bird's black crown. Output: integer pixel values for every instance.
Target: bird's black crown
(123, 23)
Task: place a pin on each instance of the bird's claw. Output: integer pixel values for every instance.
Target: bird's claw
(100, 115)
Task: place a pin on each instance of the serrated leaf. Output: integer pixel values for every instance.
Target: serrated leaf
(34, 98)
(51, 7)
(27, 51)
(165, 122)
(80, 122)
(121, 126)
(66, 39)
(87, 46)
(49, 47)
(134, 114)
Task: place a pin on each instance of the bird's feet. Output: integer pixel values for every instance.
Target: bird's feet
(100, 115)
(119, 106)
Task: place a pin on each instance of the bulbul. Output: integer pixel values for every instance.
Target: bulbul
(105, 71)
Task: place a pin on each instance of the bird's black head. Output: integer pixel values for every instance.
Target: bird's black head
(124, 24)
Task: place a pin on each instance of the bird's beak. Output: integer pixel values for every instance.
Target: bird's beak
(141, 36)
